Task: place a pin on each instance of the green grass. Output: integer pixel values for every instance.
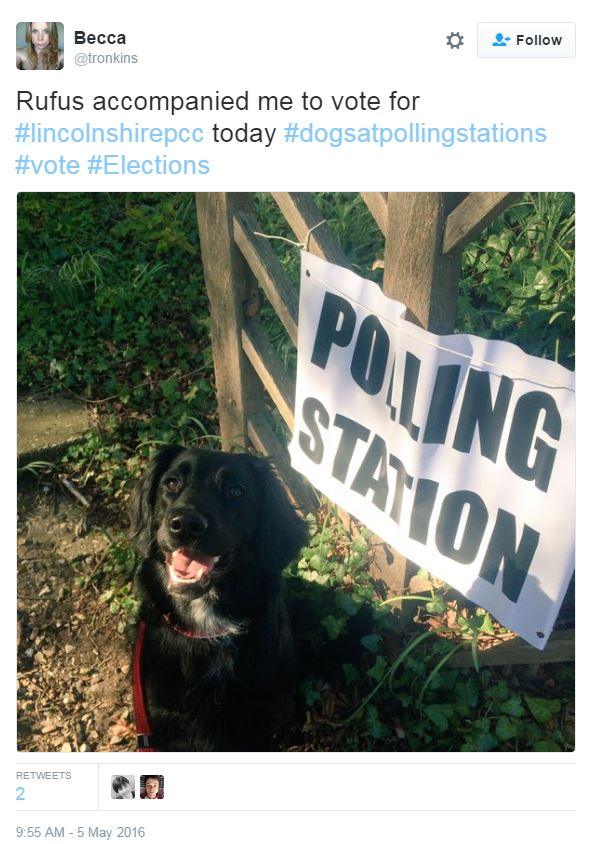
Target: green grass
(112, 308)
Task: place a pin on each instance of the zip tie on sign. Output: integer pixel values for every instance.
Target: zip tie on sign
(298, 244)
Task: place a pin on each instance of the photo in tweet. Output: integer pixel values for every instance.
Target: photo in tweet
(178, 590)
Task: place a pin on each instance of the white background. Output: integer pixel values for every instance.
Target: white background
(336, 47)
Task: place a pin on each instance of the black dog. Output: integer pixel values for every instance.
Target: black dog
(214, 531)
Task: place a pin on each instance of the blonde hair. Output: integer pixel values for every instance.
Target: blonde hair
(50, 55)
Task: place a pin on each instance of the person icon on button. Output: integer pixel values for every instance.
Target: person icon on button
(500, 40)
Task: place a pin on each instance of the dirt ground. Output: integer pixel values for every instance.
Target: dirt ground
(73, 680)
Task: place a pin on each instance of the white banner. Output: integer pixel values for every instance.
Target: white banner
(457, 451)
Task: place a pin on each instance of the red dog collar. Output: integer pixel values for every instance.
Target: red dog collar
(190, 633)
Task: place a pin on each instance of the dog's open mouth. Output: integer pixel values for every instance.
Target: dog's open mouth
(185, 566)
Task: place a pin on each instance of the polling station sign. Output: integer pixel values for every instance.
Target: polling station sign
(457, 451)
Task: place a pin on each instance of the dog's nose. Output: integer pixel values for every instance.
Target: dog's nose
(188, 525)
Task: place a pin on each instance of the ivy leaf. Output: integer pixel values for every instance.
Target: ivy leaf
(371, 642)
(468, 693)
(486, 622)
(513, 707)
(334, 626)
(485, 742)
(379, 668)
(345, 602)
(170, 389)
(547, 746)
(499, 691)
(437, 605)
(350, 673)
(439, 714)
(499, 242)
(310, 693)
(541, 708)
(316, 562)
(505, 729)
(373, 722)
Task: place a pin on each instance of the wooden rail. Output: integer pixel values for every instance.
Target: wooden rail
(270, 370)
(473, 215)
(560, 647)
(268, 271)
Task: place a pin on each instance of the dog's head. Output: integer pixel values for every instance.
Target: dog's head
(196, 511)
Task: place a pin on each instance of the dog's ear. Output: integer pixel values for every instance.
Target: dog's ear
(142, 500)
(281, 530)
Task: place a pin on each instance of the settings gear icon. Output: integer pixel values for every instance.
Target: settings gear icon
(455, 40)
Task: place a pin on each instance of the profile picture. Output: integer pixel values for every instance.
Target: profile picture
(123, 787)
(151, 787)
(40, 45)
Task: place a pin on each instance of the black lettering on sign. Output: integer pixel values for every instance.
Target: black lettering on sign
(314, 414)
(408, 394)
(352, 432)
(392, 409)
(422, 509)
(442, 403)
(336, 324)
(402, 480)
(502, 549)
(369, 362)
(446, 537)
(521, 438)
(478, 411)
(372, 474)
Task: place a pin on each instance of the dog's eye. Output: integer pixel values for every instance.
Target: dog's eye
(234, 491)
(173, 484)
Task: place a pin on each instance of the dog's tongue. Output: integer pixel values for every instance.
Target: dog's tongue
(186, 565)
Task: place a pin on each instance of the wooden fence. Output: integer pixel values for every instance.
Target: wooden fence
(425, 234)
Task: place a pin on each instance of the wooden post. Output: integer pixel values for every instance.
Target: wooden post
(232, 296)
(417, 272)
(419, 275)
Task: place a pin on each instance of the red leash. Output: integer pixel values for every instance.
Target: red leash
(140, 714)
(143, 728)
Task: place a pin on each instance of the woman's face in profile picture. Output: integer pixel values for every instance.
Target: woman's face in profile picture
(40, 35)
(151, 788)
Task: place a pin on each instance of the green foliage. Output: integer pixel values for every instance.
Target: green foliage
(518, 280)
(406, 695)
(36, 468)
(112, 307)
